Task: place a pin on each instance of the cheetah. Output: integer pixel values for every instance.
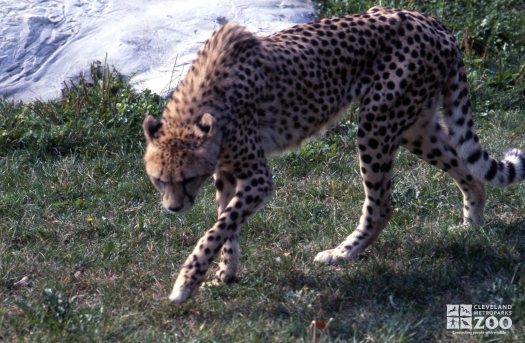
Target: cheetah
(246, 97)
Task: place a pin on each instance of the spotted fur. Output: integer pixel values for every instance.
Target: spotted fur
(247, 96)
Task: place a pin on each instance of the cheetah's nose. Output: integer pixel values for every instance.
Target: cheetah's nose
(175, 209)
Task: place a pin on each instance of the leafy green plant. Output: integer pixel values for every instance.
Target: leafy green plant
(80, 119)
(58, 308)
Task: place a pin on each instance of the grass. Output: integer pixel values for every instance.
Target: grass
(87, 253)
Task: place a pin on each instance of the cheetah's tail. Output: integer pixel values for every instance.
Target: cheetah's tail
(458, 116)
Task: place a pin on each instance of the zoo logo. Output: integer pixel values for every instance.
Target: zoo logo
(478, 317)
(459, 317)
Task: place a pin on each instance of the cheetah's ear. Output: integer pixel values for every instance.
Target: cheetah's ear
(151, 128)
(206, 124)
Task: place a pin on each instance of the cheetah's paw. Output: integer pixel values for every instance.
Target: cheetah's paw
(180, 294)
(327, 257)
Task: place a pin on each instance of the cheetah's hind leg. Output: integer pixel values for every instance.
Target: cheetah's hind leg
(431, 143)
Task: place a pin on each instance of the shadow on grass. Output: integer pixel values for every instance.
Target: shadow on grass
(409, 287)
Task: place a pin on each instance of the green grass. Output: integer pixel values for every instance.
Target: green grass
(79, 220)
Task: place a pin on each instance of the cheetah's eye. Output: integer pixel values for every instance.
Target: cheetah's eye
(160, 185)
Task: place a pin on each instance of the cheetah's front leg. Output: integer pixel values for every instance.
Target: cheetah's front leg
(250, 194)
(375, 157)
(230, 253)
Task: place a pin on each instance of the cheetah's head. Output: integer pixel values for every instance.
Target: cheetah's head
(180, 157)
